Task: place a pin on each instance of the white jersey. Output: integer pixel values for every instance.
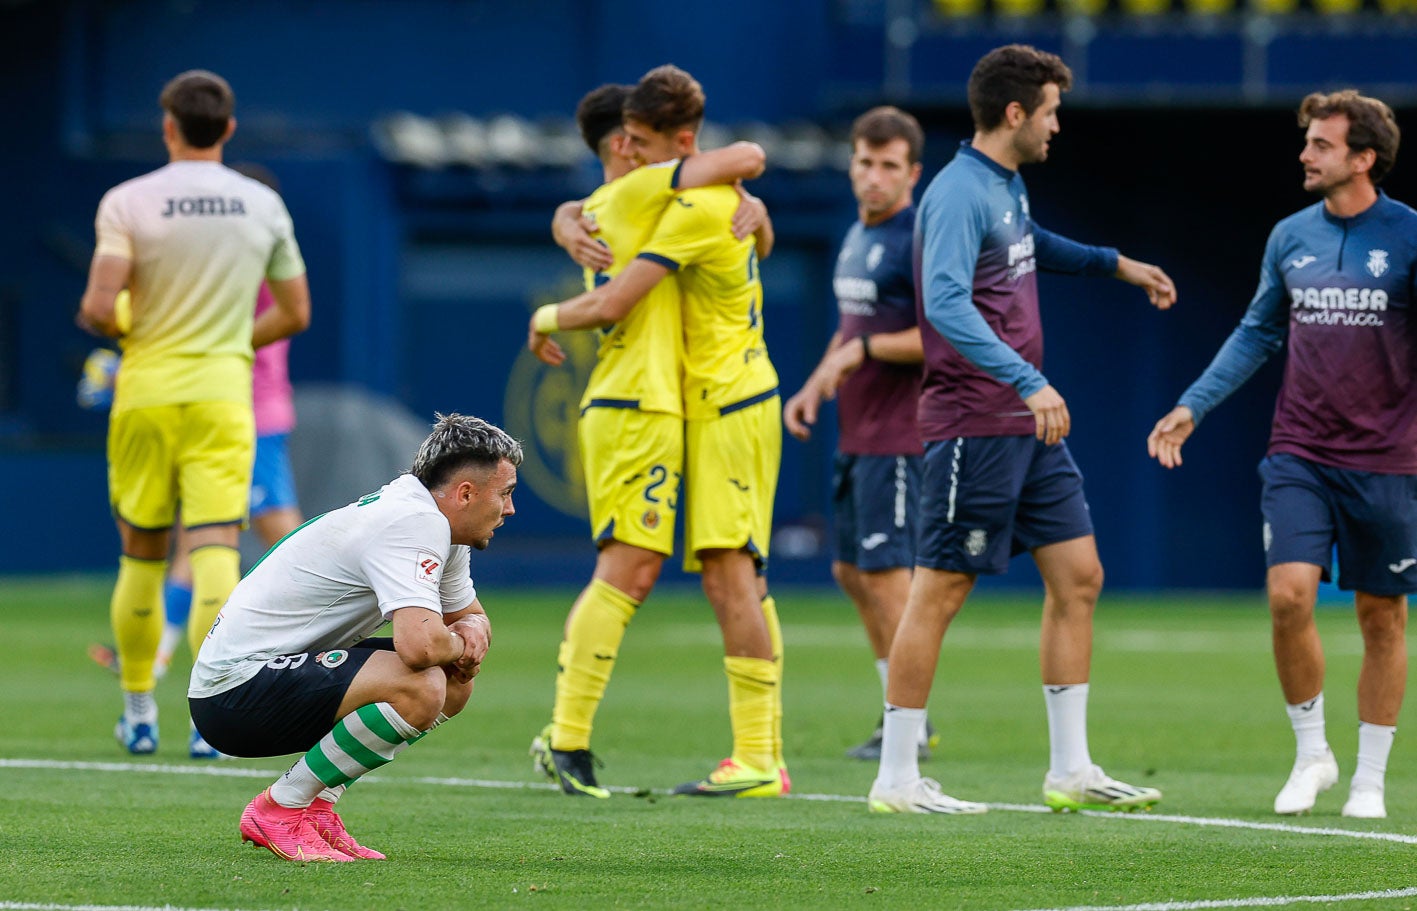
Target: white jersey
(334, 581)
(201, 238)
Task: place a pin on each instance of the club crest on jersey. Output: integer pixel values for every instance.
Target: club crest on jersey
(650, 519)
(1377, 263)
(428, 569)
(976, 541)
(873, 258)
(333, 658)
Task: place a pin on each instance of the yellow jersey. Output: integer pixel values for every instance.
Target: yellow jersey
(201, 238)
(726, 362)
(641, 357)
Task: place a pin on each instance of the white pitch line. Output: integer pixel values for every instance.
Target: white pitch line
(220, 771)
(46, 906)
(1268, 901)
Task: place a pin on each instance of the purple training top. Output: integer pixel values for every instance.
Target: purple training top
(875, 293)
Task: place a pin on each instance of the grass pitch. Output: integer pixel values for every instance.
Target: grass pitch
(1184, 698)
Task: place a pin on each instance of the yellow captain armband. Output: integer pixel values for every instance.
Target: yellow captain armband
(544, 319)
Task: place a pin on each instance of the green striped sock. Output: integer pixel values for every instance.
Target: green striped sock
(365, 739)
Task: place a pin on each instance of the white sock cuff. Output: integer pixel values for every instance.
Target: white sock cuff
(1066, 690)
(395, 720)
(1310, 708)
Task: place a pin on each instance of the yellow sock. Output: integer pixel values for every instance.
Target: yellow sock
(586, 660)
(216, 569)
(137, 616)
(752, 695)
(775, 635)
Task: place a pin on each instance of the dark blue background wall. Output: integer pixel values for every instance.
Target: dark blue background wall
(1172, 148)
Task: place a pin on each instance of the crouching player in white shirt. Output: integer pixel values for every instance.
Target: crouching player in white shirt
(289, 666)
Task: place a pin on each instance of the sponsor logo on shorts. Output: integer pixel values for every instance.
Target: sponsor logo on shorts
(429, 569)
(976, 541)
(1402, 565)
(650, 519)
(1268, 537)
(871, 542)
(333, 658)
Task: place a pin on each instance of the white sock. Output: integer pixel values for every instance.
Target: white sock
(332, 794)
(298, 787)
(1307, 719)
(1067, 729)
(1374, 744)
(140, 708)
(899, 737)
(883, 669)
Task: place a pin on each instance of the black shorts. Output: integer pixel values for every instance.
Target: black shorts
(287, 707)
(875, 500)
(989, 498)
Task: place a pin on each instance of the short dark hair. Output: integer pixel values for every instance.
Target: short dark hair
(202, 103)
(1014, 72)
(879, 126)
(666, 99)
(600, 113)
(1371, 125)
(460, 441)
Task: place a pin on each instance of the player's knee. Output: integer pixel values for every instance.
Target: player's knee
(1290, 604)
(641, 580)
(421, 697)
(630, 570)
(1383, 621)
(1090, 579)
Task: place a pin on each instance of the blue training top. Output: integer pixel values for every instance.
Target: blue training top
(977, 250)
(1341, 291)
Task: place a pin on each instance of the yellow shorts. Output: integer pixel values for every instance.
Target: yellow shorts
(198, 453)
(732, 464)
(633, 462)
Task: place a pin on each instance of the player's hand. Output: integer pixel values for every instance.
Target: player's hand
(842, 361)
(95, 328)
(1050, 415)
(476, 633)
(575, 233)
(459, 675)
(799, 413)
(588, 251)
(1164, 442)
(545, 348)
(1159, 288)
(751, 214)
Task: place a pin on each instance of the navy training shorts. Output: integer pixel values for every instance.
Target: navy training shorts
(1309, 508)
(987, 499)
(876, 504)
